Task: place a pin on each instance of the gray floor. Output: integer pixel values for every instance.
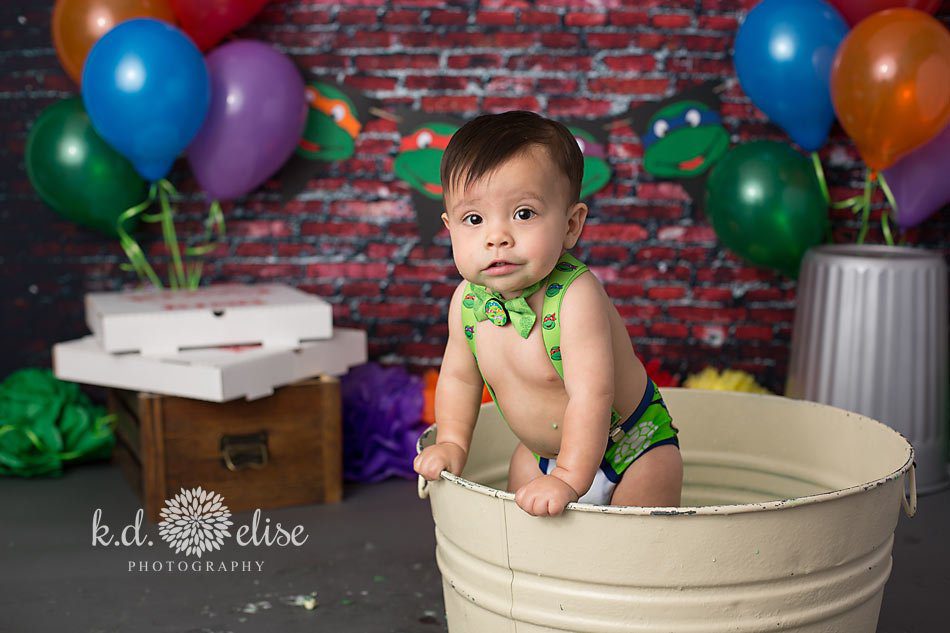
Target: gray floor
(370, 560)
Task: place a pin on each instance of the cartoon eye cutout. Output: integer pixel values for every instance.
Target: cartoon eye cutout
(693, 117)
(338, 112)
(311, 94)
(581, 144)
(424, 140)
(660, 128)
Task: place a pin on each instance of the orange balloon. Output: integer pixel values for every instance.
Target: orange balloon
(78, 24)
(890, 84)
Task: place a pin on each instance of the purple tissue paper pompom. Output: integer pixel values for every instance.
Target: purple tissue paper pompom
(382, 419)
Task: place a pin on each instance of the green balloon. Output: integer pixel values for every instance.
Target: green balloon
(765, 204)
(77, 173)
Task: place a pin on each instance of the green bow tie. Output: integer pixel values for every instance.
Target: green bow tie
(495, 308)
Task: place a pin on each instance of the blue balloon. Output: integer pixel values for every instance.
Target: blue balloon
(783, 54)
(147, 90)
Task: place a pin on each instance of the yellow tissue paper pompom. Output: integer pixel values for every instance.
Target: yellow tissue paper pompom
(729, 380)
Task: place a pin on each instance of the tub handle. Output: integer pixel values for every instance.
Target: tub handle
(423, 487)
(910, 507)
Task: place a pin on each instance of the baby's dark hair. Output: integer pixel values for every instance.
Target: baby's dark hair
(487, 141)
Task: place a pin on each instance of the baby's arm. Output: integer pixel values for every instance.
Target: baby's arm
(458, 396)
(589, 381)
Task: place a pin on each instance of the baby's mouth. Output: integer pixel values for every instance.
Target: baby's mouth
(500, 267)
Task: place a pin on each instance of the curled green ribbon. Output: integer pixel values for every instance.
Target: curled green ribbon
(820, 173)
(181, 275)
(885, 223)
(133, 251)
(865, 208)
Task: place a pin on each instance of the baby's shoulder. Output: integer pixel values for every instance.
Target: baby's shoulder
(583, 298)
(584, 288)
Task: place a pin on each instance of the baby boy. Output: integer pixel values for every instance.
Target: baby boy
(531, 322)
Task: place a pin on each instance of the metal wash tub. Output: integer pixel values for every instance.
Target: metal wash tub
(788, 522)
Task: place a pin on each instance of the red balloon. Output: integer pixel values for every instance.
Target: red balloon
(856, 10)
(207, 22)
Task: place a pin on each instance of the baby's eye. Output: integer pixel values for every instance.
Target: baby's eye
(475, 219)
(524, 214)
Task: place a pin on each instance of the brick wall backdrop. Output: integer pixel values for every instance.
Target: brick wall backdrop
(351, 238)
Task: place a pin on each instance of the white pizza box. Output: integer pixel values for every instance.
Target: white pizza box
(158, 322)
(215, 374)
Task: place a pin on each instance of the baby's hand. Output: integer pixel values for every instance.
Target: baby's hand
(545, 495)
(438, 457)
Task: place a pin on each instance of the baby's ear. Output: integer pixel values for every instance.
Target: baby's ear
(576, 217)
(445, 219)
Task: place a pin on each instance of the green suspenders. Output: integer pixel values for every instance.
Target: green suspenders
(565, 271)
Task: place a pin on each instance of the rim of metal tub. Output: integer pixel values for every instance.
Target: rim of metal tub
(909, 505)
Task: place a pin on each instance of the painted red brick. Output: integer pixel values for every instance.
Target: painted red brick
(349, 270)
(692, 314)
(567, 63)
(363, 17)
(613, 232)
(254, 249)
(669, 330)
(712, 295)
(672, 20)
(474, 61)
(601, 41)
(754, 333)
(503, 104)
(585, 19)
(666, 293)
(402, 18)
(495, 18)
(539, 18)
(560, 40)
(629, 18)
(635, 63)
(633, 85)
(448, 18)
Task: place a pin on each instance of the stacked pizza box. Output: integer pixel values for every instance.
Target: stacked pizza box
(217, 343)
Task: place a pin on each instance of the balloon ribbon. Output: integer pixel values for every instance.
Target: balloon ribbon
(862, 205)
(180, 274)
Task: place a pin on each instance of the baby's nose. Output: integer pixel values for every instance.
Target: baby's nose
(498, 237)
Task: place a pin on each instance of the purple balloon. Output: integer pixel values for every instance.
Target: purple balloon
(919, 181)
(257, 115)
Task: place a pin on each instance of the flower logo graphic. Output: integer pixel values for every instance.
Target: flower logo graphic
(195, 521)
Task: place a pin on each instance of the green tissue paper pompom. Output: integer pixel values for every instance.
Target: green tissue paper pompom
(46, 423)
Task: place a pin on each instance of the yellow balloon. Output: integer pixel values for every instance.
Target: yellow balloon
(890, 84)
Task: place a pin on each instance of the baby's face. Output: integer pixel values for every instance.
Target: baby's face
(520, 215)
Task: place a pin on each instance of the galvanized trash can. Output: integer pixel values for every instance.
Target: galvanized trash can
(787, 525)
(870, 336)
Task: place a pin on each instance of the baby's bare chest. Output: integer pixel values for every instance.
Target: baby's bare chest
(505, 357)
(528, 389)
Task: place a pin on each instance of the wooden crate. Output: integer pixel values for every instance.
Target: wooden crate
(282, 450)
